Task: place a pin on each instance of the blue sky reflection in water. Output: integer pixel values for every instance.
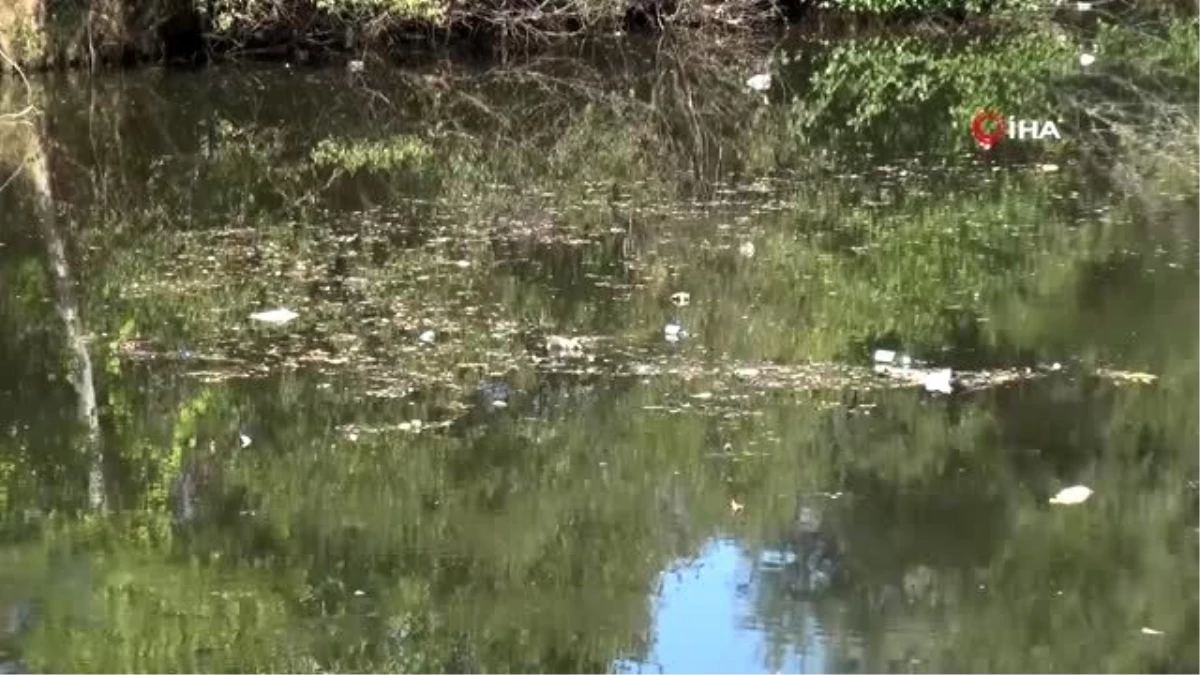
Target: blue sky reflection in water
(704, 624)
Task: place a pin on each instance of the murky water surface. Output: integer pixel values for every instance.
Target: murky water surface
(581, 374)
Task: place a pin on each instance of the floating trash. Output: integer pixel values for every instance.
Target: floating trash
(462, 264)
(940, 381)
(1076, 494)
(674, 332)
(1086, 59)
(427, 337)
(244, 440)
(1126, 376)
(1083, 6)
(1048, 168)
(276, 317)
(563, 346)
(495, 394)
(884, 356)
(1146, 630)
(355, 66)
(760, 82)
(747, 249)
(736, 506)
(681, 299)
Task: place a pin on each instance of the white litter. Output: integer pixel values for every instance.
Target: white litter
(1086, 59)
(1150, 631)
(462, 264)
(673, 332)
(940, 381)
(760, 82)
(427, 337)
(1076, 494)
(244, 440)
(747, 249)
(681, 299)
(1048, 168)
(1083, 6)
(557, 344)
(277, 317)
(884, 356)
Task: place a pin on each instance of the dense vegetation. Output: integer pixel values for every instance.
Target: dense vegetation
(80, 32)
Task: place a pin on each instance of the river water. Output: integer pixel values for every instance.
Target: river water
(479, 446)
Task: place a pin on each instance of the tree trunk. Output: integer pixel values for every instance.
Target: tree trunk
(79, 360)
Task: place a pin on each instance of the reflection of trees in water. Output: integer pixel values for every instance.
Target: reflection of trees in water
(496, 545)
(76, 363)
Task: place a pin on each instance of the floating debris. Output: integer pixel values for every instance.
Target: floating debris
(564, 346)
(427, 337)
(940, 381)
(747, 249)
(1076, 494)
(276, 317)
(495, 394)
(244, 440)
(355, 66)
(884, 356)
(1086, 59)
(674, 332)
(760, 82)
(736, 506)
(681, 299)
(1048, 168)
(1083, 6)
(1146, 630)
(1126, 376)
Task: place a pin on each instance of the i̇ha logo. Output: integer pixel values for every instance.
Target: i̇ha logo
(989, 127)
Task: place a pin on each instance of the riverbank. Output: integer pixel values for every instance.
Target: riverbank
(80, 33)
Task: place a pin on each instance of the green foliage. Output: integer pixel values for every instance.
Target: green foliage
(429, 10)
(233, 19)
(930, 7)
(899, 93)
(395, 153)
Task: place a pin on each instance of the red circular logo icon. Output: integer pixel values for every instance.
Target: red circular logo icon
(988, 128)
